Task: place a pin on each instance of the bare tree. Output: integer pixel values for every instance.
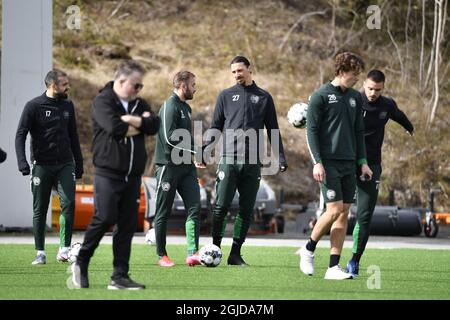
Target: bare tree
(445, 19)
(408, 13)
(397, 49)
(302, 18)
(332, 38)
(433, 45)
(441, 17)
(422, 44)
(113, 13)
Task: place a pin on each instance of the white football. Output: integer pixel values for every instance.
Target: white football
(73, 252)
(150, 237)
(210, 255)
(297, 115)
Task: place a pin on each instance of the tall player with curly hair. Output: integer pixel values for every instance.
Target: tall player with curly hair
(335, 136)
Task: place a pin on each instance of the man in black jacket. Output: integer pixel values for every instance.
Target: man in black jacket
(377, 110)
(56, 158)
(120, 122)
(241, 113)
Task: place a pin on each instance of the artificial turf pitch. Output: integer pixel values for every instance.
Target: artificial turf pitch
(273, 275)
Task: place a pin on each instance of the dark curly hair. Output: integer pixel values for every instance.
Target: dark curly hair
(347, 61)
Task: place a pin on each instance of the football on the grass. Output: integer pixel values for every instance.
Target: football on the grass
(210, 255)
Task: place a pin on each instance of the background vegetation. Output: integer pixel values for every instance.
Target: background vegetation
(291, 44)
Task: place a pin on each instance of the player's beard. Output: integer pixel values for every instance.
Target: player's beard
(240, 81)
(61, 95)
(189, 95)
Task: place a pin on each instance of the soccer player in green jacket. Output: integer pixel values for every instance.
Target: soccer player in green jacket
(175, 169)
(377, 110)
(335, 136)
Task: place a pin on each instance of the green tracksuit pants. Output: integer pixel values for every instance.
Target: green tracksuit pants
(231, 177)
(367, 195)
(43, 178)
(181, 178)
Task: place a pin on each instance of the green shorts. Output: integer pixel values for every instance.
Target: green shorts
(340, 181)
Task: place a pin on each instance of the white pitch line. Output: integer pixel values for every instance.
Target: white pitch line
(413, 243)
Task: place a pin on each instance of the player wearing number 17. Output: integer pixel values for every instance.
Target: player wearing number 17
(56, 159)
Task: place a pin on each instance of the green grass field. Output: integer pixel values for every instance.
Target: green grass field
(274, 274)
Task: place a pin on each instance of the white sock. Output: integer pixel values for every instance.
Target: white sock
(40, 252)
(64, 249)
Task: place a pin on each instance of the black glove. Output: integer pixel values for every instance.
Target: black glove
(2, 155)
(78, 172)
(25, 171)
(202, 156)
(283, 167)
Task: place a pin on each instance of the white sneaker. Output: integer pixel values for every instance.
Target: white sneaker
(306, 261)
(40, 259)
(337, 273)
(63, 255)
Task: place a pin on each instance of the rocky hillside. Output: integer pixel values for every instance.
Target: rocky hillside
(291, 44)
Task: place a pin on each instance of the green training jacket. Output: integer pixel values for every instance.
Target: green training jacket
(174, 114)
(335, 127)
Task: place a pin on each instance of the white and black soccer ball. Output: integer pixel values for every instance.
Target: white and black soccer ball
(297, 115)
(73, 252)
(150, 237)
(210, 255)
